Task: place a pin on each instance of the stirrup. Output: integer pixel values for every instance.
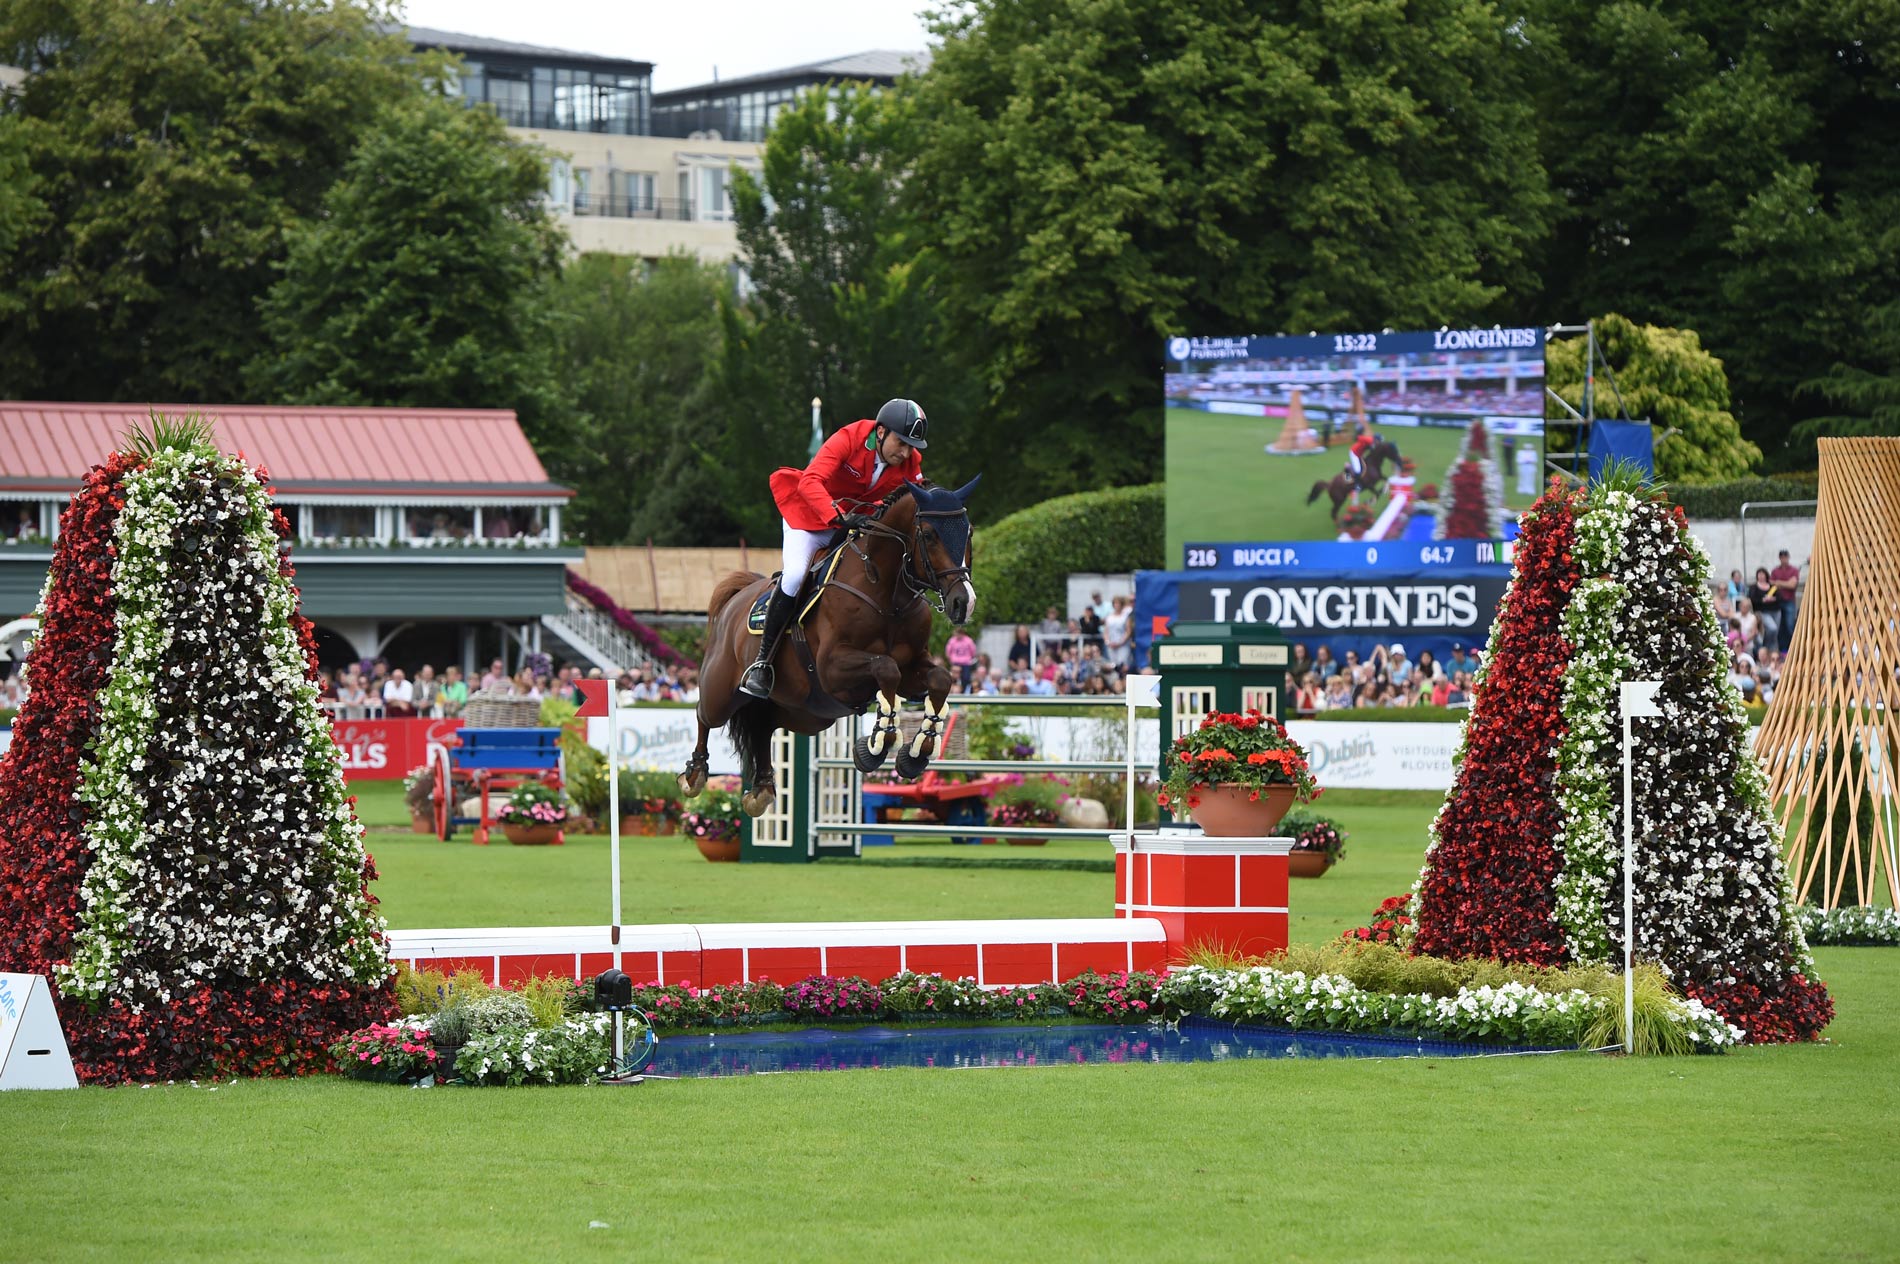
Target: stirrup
(757, 681)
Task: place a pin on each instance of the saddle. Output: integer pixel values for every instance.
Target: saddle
(814, 586)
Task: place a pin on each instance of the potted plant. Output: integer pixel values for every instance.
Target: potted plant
(1355, 521)
(1027, 801)
(448, 1031)
(533, 815)
(389, 1053)
(1318, 842)
(1237, 774)
(713, 822)
(649, 801)
(418, 795)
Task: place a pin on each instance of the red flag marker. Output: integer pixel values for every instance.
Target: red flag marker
(593, 697)
(1158, 625)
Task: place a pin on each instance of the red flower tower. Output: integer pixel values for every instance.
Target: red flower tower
(1526, 862)
(176, 852)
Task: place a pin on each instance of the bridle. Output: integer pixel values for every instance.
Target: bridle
(928, 585)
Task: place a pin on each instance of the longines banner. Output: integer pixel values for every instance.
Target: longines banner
(1424, 609)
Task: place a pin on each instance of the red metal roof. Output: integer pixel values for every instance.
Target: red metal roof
(358, 451)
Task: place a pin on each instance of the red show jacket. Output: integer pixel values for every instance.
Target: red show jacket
(807, 498)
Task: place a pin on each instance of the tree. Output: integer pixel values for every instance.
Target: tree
(639, 350)
(172, 147)
(841, 308)
(425, 280)
(1726, 169)
(1093, 177)
(1664, 376)
(1868, 391)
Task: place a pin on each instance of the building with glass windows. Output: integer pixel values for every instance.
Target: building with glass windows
(616, 186)
(638, 172)
(743, 109)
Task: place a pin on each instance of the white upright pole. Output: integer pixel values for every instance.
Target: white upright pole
(1129, 800)
(1638, 701)
(1629, 893)
(613, 837)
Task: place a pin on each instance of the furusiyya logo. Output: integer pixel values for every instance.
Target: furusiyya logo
(1184, 349)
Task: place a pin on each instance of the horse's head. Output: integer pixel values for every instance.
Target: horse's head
(940, 546)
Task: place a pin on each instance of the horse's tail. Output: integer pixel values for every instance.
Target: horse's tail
(728, 588)
(1317, 489)
(750, 730)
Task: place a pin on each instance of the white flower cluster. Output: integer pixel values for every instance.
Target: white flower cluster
(223, 845)
(1512, 1013)
(575, 1052)
(1857, 924)
(1711, 890)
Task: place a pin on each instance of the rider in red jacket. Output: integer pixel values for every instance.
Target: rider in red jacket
(857, 467)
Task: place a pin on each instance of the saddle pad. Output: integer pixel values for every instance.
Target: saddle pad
(814, 587)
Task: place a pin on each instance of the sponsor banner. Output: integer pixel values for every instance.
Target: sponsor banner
(385, 750)
(1375, 756)
(1281, 555)
(1432, 609)
(663, 738)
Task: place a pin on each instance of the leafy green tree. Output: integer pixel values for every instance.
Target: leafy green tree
(1866, 393)
(1727, 169)
(171, 147)
(1665, 376)
(639, 350)
(1094, 175)
(840, 308)
(425, 280)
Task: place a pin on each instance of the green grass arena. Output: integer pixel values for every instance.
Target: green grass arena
(1223, 486)
(1766, 1153)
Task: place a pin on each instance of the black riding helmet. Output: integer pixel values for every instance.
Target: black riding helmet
(903, 418)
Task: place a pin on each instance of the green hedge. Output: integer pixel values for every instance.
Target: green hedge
(1725, 500)
(1023, 563)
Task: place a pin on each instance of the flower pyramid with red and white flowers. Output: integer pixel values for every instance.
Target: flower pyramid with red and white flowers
(176, 850)
(1474, 492)
(1526, 857)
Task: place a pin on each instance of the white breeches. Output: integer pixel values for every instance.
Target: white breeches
(800, 547)
(1354, 464)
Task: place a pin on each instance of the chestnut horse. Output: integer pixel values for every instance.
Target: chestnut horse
(1343, 484)
(867, 640)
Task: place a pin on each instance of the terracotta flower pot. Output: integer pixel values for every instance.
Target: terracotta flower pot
(718, 851)
(636, 825)
(1307, 864)
(1226, 811)
(531, 835)
(421, 824)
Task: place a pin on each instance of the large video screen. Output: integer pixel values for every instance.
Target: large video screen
(1351, 437)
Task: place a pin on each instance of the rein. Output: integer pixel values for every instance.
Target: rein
(926, 586)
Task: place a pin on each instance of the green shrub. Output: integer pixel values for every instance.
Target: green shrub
(1024, 561)
(426, 991)
(1725, 500)
(498, 1011)
(6, 716)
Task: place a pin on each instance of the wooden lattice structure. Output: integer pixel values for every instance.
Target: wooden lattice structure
(1832, 733)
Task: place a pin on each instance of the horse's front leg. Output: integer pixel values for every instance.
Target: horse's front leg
(846, 672)
(934, 683)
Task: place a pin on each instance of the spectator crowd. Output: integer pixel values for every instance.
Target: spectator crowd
(1385, 678)
(372, 689)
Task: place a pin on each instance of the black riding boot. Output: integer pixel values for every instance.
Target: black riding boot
(758, 677)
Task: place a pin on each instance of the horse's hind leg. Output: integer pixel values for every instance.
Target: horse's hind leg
(934, 683)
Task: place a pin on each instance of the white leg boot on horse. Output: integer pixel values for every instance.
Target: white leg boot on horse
(870, 752)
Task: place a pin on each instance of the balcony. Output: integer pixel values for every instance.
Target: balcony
(634, 207)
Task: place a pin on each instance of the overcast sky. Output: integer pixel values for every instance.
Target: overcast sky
(686, 41)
